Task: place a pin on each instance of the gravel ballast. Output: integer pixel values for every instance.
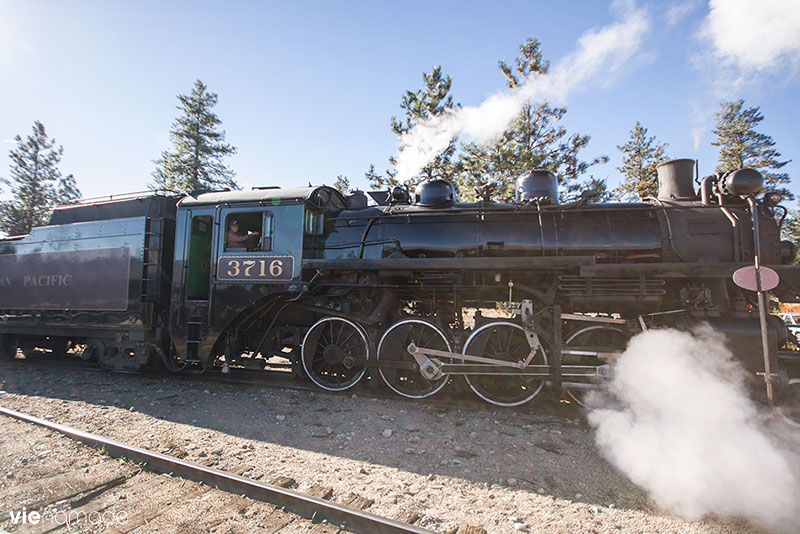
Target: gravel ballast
(522, 470)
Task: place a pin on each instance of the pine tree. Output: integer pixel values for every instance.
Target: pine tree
(742, 146)
(534, 140)
(195, 162)
(342, 184)
(433, 98)
(378, 181)
(35, 182)
(641, 155)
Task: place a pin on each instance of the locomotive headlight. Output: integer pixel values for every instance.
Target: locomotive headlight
(773, 198)
(741, 182)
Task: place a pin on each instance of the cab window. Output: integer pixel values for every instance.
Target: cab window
(314, 222)
(248, 231)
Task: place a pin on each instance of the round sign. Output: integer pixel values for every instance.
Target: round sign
(746, 278)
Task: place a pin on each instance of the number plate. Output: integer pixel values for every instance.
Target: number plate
(255, 268)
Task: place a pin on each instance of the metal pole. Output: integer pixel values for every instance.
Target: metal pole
(762, 300)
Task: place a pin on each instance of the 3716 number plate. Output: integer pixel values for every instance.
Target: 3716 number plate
(255, 268)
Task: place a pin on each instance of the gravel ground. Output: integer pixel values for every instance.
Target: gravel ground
(528, 470)
(75, 488)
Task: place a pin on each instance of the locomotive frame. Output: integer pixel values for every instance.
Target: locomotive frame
(342, 289)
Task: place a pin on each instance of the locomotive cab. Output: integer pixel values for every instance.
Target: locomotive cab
(218, 276)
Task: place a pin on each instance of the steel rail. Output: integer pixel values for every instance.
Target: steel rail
(296, 502)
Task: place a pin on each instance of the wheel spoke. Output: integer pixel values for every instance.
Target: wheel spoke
(355, 344)
(347, 338)
(595, 337)
(324, 338)
(499, 343)
(506, 341)
(392, 347)
(332, 374)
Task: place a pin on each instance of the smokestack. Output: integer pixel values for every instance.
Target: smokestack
(675, 180)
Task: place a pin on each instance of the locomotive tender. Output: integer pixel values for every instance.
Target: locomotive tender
(343, 288)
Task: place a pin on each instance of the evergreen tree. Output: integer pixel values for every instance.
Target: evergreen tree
(742, 146)
(195, 161)
(534, 140)
(641, 155)
(35, 182)
(433, 98)
(377, 181)
(342, 184)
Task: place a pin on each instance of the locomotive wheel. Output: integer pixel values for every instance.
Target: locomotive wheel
(504, 340)
(329, 349)
(393, 348)
(594, 336)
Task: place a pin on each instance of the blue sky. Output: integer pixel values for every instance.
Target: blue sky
(307, 89)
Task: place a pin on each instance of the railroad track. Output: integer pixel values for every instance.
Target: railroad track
(316, 508)
(450, 397)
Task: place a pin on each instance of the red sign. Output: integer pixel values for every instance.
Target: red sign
(746, 278)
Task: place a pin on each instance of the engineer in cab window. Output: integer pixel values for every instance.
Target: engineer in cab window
(235, 240)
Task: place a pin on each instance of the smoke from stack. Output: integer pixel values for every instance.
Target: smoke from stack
(683, 427)
(603, 51)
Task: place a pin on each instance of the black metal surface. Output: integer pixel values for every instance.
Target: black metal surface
(538, 185)
(144, 205)
(530, 370)
(557, 368)
(467, 264)
(667, 270)
(65, 280)
(742, 182)
(436, 193)
(123, 266)
(298, 503)
(675, 179)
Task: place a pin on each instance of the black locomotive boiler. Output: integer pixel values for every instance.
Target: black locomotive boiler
(406, 291)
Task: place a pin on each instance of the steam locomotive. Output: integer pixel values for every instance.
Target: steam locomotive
(514, 297)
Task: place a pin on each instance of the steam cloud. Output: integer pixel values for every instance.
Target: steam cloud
(743, 44)
(754, 35)
(685, 431)
(600, 51)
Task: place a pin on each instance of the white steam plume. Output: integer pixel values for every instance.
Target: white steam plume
(686, 431)
(754, 35)
(601, 51)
